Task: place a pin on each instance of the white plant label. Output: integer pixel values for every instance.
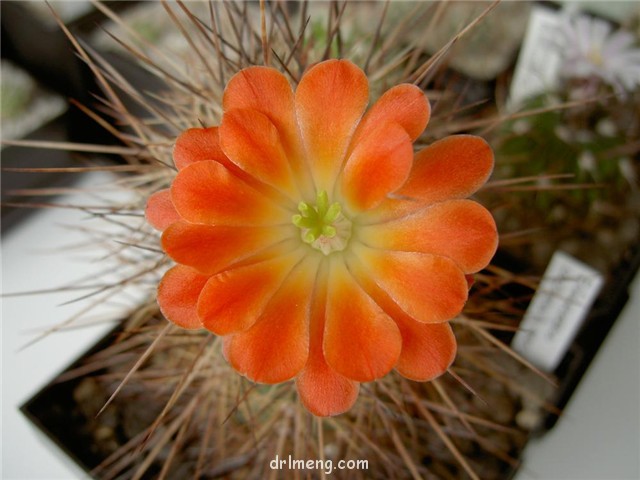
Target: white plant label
(558, 309)
(539, 60)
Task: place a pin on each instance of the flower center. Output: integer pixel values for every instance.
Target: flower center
(595, 56)
(323, 226)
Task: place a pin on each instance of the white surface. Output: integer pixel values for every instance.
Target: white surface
(598, 437)
(30, 262)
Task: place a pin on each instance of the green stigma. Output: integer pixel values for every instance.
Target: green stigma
(323, 226)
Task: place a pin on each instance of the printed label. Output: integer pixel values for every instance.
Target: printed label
(564, 297)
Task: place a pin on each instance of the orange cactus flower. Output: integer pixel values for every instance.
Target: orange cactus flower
(308, 234)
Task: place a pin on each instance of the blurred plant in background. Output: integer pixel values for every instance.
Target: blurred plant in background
(588, 131)
(594, 56)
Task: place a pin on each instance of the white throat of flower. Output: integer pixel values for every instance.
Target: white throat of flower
(323, 226)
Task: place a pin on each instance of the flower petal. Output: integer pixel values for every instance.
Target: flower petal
(268, 91)
(454, 167)
(178, 293)
(209, 248)
(276, 347)
(470, 280)
(429, 288)
(361, 342)
(160, 212)
(330, 101)
(462, 230)
(233, 300)
(428, 350)
(379, 164)
(206, 192)
(403, 104)
(323, 391)
(261, 88)
(197, 145)
(252, 142)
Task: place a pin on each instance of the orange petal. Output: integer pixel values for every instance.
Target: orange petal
(470, 280)
(206, 192)
(178, 294)
(160, 212)
(323, 391)
(252, 142)
(454, 167)
(196, 145)
(268, 91)
(330, 100)
(361, 341)
(379, 164)
(232, 300)
(428, 350)
(262, 88)
(403, 104)
(209, 248)
(462, 230)
(276, 347)
(429, 288)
